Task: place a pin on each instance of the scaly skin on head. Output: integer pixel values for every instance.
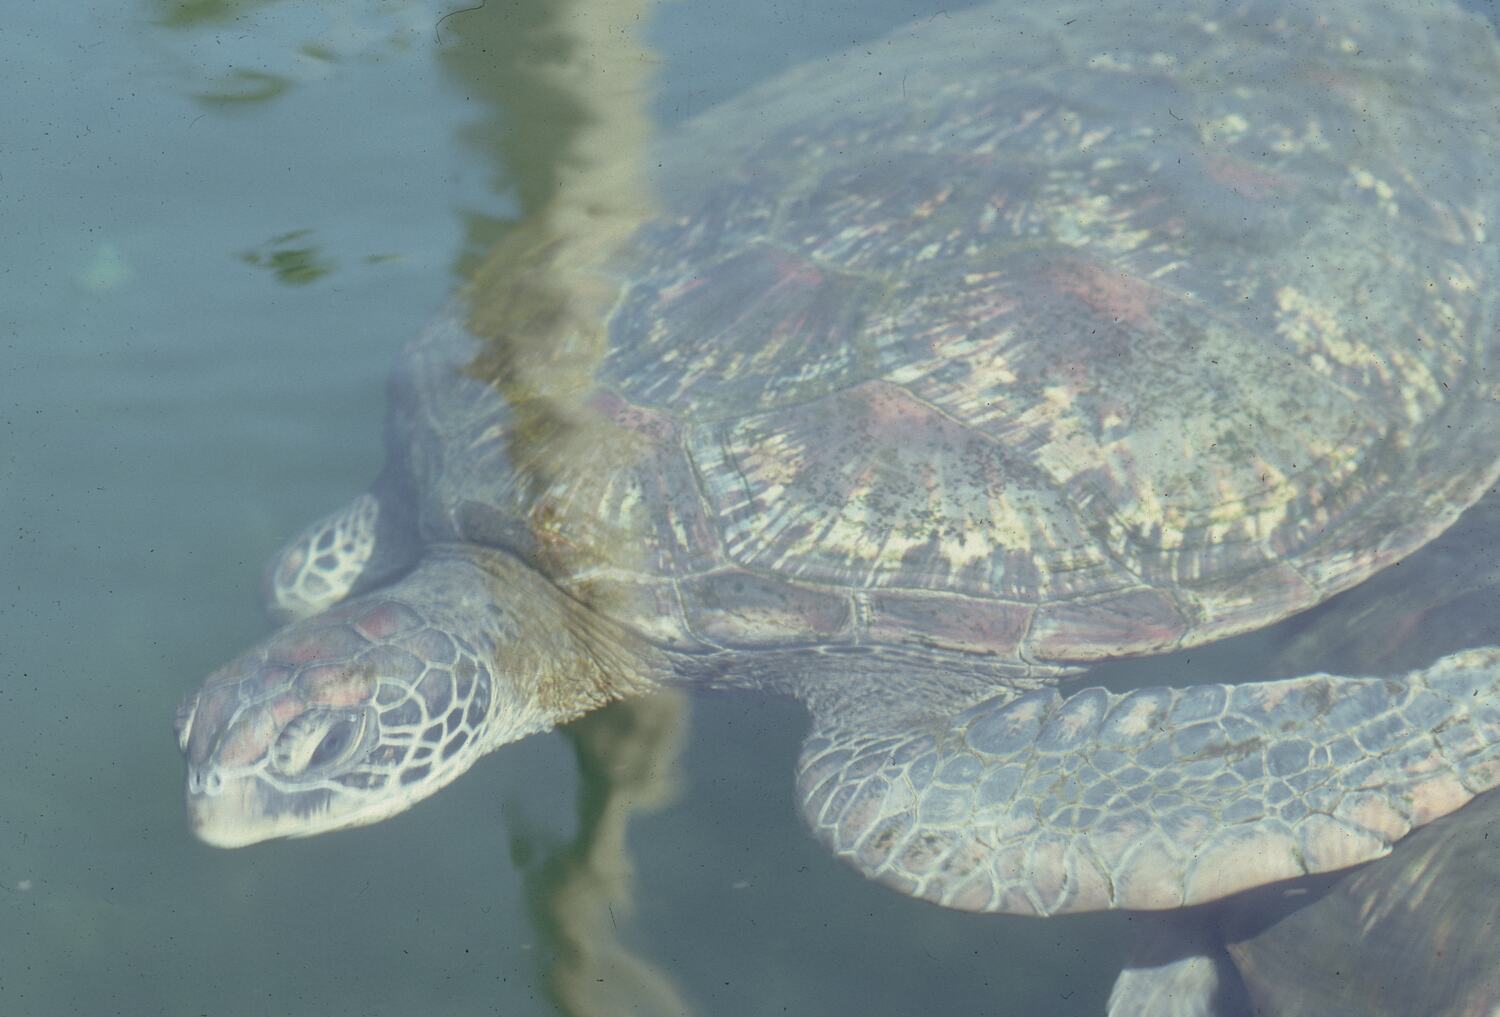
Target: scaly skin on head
(355, 714)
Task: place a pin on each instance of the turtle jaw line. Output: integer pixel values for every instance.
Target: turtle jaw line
(248, 808)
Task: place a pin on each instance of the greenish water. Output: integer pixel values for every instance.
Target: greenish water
(218, 223)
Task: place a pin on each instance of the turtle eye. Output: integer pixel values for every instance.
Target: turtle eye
(317, 741)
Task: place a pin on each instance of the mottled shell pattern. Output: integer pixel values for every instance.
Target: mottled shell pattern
(1088, 337)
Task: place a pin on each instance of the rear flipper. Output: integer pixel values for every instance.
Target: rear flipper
(1178, 967)
(1158, 798)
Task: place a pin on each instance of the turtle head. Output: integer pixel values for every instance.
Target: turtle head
(345, 718)
(357, 713)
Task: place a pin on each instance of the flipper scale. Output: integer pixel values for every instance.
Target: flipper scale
(1041, 804)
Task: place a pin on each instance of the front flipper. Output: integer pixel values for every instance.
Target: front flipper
(322, 565)
(369, 541)
(1037, 804)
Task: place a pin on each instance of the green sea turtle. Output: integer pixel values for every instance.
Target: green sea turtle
(1027, 337)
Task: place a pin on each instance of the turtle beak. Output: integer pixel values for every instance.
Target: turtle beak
(238, 811)
(217, 809)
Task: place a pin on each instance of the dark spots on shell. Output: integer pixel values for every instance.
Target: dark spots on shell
(327, 562)
(415, 774)
(455, 718)
(477, 711)
(421, 754)
(325, 541)
(433, 734)
(389, 693)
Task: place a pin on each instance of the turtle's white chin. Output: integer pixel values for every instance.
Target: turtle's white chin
(246, 810)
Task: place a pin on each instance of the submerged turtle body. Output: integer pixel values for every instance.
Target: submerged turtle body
(1013, 342)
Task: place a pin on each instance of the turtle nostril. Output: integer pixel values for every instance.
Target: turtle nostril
(203, 780)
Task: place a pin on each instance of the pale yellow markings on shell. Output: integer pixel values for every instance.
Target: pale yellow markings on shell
(982, 396)
(680, 530)
(1385, 194)
(629, 500)
(1109, 62)
(1459, 278)
(771, 493)
(971, 546)
(1476, 223)
(1222, 131)
(1420, 389)
(1149, 509)
(926, 208)
(1092, 138)
(1316, 329)
(1066, 455)
(1166, 269)
(775, 520)
(1095, 222)
(853, 527)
